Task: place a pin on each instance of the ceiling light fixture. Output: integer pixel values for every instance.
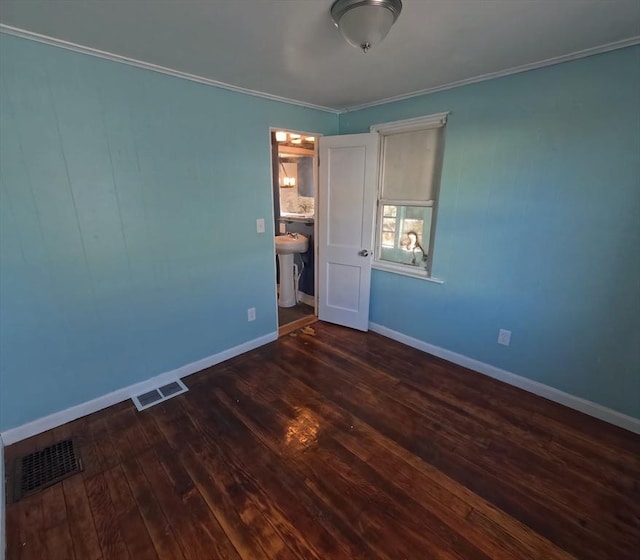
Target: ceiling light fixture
(286, 181)
(364, 23)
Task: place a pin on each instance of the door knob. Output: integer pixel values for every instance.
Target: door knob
(363, 253)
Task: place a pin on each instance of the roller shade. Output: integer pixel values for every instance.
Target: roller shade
(410, 165)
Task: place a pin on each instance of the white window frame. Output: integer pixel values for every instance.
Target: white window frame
(438, 120)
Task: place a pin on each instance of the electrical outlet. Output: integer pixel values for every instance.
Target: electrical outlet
(251, 314)
(504, 337)
(283, 227)
(260, 225)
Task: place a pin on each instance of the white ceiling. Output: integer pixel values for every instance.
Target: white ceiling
(291, 49)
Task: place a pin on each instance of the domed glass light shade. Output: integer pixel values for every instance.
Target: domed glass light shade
(364, 23)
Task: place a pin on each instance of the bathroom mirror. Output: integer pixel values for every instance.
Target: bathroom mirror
(297, 182)
(305, 176)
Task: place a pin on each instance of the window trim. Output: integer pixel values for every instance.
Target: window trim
(436, 120)
(404, 270)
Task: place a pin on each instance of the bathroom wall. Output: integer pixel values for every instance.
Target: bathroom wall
(305, 261)
(128, 237)
(538, 228)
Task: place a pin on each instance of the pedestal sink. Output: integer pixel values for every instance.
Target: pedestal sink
(286, 247)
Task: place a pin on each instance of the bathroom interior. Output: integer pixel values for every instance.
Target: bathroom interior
(294, 167)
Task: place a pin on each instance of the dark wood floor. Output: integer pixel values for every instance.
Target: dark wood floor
(338, 445)
(290, 314)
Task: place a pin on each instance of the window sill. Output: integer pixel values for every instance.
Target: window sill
(290, 219)
(405, 271)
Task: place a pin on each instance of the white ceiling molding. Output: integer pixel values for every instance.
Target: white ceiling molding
(502, 73)
(24, 34)
(292, 51)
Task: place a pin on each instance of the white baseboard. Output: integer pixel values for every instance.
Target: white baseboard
(540, 389)
(3, 526)
(59, 418)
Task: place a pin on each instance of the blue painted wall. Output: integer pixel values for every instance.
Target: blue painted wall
(128, 202)
(128, 235)
(538, 229)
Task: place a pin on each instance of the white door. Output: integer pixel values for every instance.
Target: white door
(347, 195)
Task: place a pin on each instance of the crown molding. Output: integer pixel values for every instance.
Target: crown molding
(630, 42)
(24, 34)
(52, 41)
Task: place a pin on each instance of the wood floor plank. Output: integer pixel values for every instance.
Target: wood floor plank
(103, 452)
(149, 426)
(199, 535)
(413, 483)
(160, 530)
(301, 416)
(105, 518)
(229, 495)
(58, 542)
(127, 436)
(12, 524)
(341, 486)
(266, 543)
(451, 502)
(276, 492)
(32, 545)
(339, 445)
(53, 507)
(130, 520)
(322, 526)
(457, 457)
(263, 533)
(81, 525)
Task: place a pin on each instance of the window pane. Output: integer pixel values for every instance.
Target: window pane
(388, 224)
(411, 242)
(414, 213)
(389, 211)
(388, 238)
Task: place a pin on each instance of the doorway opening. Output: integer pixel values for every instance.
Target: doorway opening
(294, 165)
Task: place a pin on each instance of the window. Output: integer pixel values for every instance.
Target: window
(410, 167)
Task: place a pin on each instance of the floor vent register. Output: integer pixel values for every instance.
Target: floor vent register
(39, 470)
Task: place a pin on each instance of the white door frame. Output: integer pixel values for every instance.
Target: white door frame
(316, 154)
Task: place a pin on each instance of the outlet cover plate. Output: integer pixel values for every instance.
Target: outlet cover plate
(504, 337)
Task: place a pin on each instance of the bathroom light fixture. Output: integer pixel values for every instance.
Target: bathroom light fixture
(296, 141)
(364, 23)
(286, 181)
(293, 135)
(310, 138)
(281, 136)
